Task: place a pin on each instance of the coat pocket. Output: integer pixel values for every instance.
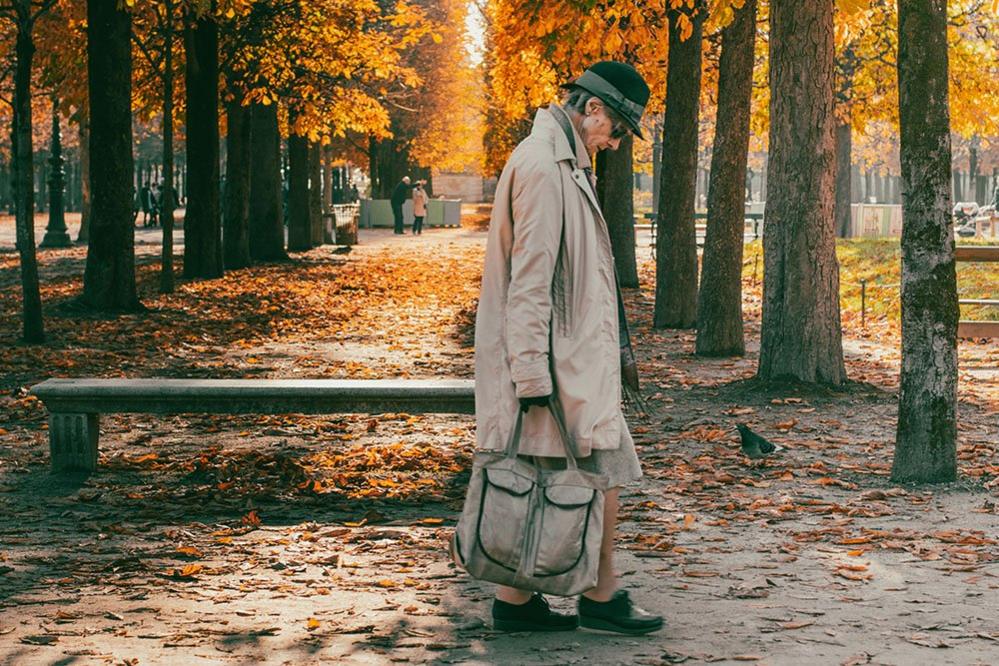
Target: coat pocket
(504, 511)
(565, 521)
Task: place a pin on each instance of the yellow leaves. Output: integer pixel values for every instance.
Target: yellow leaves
(190, 551)
(312, 624)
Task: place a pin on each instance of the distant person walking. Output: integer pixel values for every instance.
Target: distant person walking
(144, 204)
(153, 205)
(419, 207)
(399, 196)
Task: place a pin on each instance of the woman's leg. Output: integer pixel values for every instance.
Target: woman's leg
(512, 595)
(606, 578)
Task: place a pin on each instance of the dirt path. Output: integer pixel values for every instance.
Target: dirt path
(321, 540)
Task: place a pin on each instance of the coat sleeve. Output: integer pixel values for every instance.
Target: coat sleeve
(536, 207)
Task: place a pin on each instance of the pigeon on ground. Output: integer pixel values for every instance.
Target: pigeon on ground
(753, 445)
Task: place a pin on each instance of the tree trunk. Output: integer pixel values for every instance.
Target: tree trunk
(844, 173)
(616, 190)
(375, 188)
(266, 215)
(719, 304)
(926, 438)
(32, 329)
(676, 241)
(236, 240)
(84, 234)
(109, 277)
(202, 219)
(316, 193)
(299, 225)
(327, 179)
(801, 336)
(167, 198)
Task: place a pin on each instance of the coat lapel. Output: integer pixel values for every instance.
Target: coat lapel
(583, 182)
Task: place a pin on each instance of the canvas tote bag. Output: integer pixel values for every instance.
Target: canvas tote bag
(530, 527)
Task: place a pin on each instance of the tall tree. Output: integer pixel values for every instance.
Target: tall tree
(266, 226)
(299, 227)
(719, 305)
(315, 193)
(235, 236)
(801, 335)
(202, 220)
(846, 66)
(109, 277)
(676, 242)
(24, 15)
(168, 197)
(926, 438)
(83, 123)
(154, 27)
(615, 187)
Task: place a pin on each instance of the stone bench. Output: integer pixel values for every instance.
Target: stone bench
(75, 405)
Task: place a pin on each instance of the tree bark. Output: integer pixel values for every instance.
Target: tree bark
(236, 239)
(375, 188)
(109, 277)
(202, 219)
(167, 199)
(315, 193)
(801, 337)
(615, 187)
(299, 225)
(32, 327)
(719, 305)
(84, 234)
(926, 437)
(676, 241)
(327, 179)
(844, 174)
(266, 215)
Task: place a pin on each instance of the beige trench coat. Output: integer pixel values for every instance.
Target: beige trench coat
(542, 184)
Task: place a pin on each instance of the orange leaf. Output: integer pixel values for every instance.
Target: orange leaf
(251, 519)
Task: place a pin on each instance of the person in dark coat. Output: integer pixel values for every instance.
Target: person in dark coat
(144, 204)
(399, 196)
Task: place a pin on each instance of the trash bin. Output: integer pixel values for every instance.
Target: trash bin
(345, 218)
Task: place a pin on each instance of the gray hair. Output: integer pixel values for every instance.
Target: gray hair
(575, 100)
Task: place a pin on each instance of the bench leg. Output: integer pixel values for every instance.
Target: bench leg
(73, 441)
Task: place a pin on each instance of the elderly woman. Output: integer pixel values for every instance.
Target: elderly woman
(549, 306)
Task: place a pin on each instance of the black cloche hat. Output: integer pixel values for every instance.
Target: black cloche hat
(619, 86)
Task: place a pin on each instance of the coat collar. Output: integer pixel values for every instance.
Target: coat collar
(546, 125)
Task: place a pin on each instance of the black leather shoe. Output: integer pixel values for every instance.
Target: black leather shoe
(618, 615)
(535, 615)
